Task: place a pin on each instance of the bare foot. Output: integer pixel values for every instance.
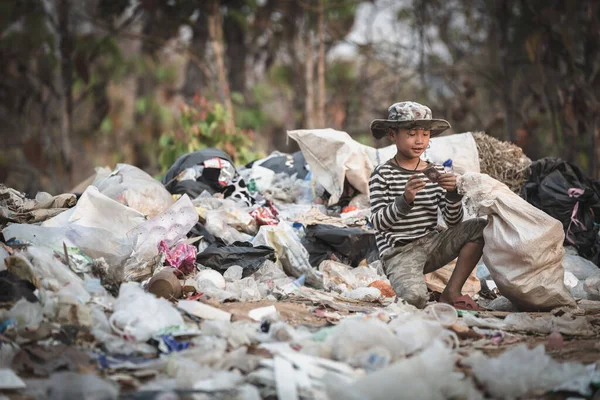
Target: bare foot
(449, 298)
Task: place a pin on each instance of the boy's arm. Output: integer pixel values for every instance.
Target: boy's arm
(385, 210)
(452, 208)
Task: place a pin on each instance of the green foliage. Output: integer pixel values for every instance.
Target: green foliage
(204, 125)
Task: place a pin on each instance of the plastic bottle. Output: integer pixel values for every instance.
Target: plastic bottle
(448, 166)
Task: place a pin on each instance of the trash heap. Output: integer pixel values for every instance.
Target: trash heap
(256, 282)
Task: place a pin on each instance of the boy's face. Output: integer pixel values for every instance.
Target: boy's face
(410, 143)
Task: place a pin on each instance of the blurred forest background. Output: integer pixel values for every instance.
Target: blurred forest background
(85, 83)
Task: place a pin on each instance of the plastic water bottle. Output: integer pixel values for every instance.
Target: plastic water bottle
(448, 166)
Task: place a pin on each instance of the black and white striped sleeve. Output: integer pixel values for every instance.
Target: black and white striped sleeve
(385, 209)
(452, 209)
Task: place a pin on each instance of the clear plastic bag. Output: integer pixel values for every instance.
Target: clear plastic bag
(233, 273)
(415, 332)
(579, 266)
(28, 315)
(428, 375)
(355, 337)
(139, 315)
(520, 371)
(210, 275)
(293, 256)
(54, 275)
(217, 226)
(133, 187)
(171, 226)
(246, 289)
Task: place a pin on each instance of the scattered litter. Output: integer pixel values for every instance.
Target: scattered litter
(521, 372)
(265, 281)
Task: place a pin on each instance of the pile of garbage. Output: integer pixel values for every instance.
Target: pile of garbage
(264, 281)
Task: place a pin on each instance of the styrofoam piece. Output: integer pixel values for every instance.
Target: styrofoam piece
(258, 314)
(9, 380)
(203, 311)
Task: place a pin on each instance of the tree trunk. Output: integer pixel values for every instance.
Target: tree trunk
(309, 105)
(421, 21)
(321, 67)
(65, 46)
(503, 14)
(236, 49)
(215, 30)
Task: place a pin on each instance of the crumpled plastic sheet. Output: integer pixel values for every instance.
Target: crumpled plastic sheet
(428, 375)
(182, 256)
(170, 226)
(520, 371)
(293, 256)
(134, 188)
(565, 324)
(139, 315)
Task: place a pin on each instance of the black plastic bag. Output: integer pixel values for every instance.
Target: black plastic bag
(220, 257)
(209, 180)
(348, 245)
(294, 164)
(564, 192)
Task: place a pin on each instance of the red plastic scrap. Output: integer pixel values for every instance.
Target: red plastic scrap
(266, 215)
(182, 256)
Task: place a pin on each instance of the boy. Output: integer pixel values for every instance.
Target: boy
(404, 207)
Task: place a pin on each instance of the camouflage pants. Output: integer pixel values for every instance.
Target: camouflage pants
(405, 266)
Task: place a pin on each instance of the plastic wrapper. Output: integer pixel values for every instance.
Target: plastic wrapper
(139, 315)
(340, 277)
(266, 215)
(239, 219)
(293, 256)
(367, 294)
(523, 245)
(133, 187)
(182, 256)
(217, 226)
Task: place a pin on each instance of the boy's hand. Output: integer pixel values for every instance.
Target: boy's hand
(413, 186)
(448, 182)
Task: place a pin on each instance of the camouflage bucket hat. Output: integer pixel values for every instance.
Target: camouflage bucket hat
(408, 114)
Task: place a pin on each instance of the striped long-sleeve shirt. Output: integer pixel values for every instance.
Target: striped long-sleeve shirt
(397, 222)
